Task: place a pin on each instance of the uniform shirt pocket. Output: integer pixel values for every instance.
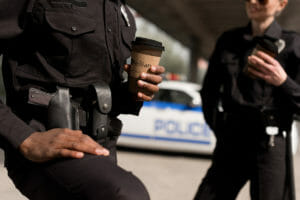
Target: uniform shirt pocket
(231, 63)
(72, 32)
(70, 23)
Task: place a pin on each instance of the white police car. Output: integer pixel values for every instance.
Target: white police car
(173, 121)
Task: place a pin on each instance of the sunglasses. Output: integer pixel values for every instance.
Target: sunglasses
(262, 2)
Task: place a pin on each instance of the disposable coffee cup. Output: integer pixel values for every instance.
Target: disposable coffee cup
(265, 45)
(145, 53)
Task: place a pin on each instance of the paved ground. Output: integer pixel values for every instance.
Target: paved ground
(167, 177)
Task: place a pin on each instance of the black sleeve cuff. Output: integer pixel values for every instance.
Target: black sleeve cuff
(124, 102)
(13, 129)
(289, 86)
(23, 132)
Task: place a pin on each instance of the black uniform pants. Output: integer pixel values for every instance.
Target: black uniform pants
(242, 153)
(89, 178)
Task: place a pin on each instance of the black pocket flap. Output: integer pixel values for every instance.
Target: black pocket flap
(70, 23)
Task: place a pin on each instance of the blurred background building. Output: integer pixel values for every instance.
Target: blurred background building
(190, 28)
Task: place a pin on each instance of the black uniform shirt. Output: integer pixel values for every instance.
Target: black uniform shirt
(49, 43)
(226, 80)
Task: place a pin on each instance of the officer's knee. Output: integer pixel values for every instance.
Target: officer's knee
(125, 186)
(133, 190)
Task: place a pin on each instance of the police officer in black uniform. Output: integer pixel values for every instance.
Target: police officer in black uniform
(259, 92)
(62, 67)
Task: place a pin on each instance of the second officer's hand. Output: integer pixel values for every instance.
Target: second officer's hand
(267, 68)
(56, 143)
(148, 82)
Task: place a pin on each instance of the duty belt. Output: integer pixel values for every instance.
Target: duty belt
(266, 116)
(63, 112)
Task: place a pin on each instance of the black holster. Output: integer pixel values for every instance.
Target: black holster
(88, 112)
(61, 114)
(100, 107)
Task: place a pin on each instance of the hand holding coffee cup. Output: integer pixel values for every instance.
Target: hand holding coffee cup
(265, 45)
(145, 53)
(263, 65)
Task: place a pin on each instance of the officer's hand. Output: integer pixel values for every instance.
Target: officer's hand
(148, 83)
(267, 68)
(55, 143)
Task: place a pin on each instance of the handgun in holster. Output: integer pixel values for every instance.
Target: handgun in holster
(61, 113)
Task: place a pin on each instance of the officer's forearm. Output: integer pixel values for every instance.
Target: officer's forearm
(13, 129)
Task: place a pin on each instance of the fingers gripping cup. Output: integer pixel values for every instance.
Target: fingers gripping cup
(145, 53)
